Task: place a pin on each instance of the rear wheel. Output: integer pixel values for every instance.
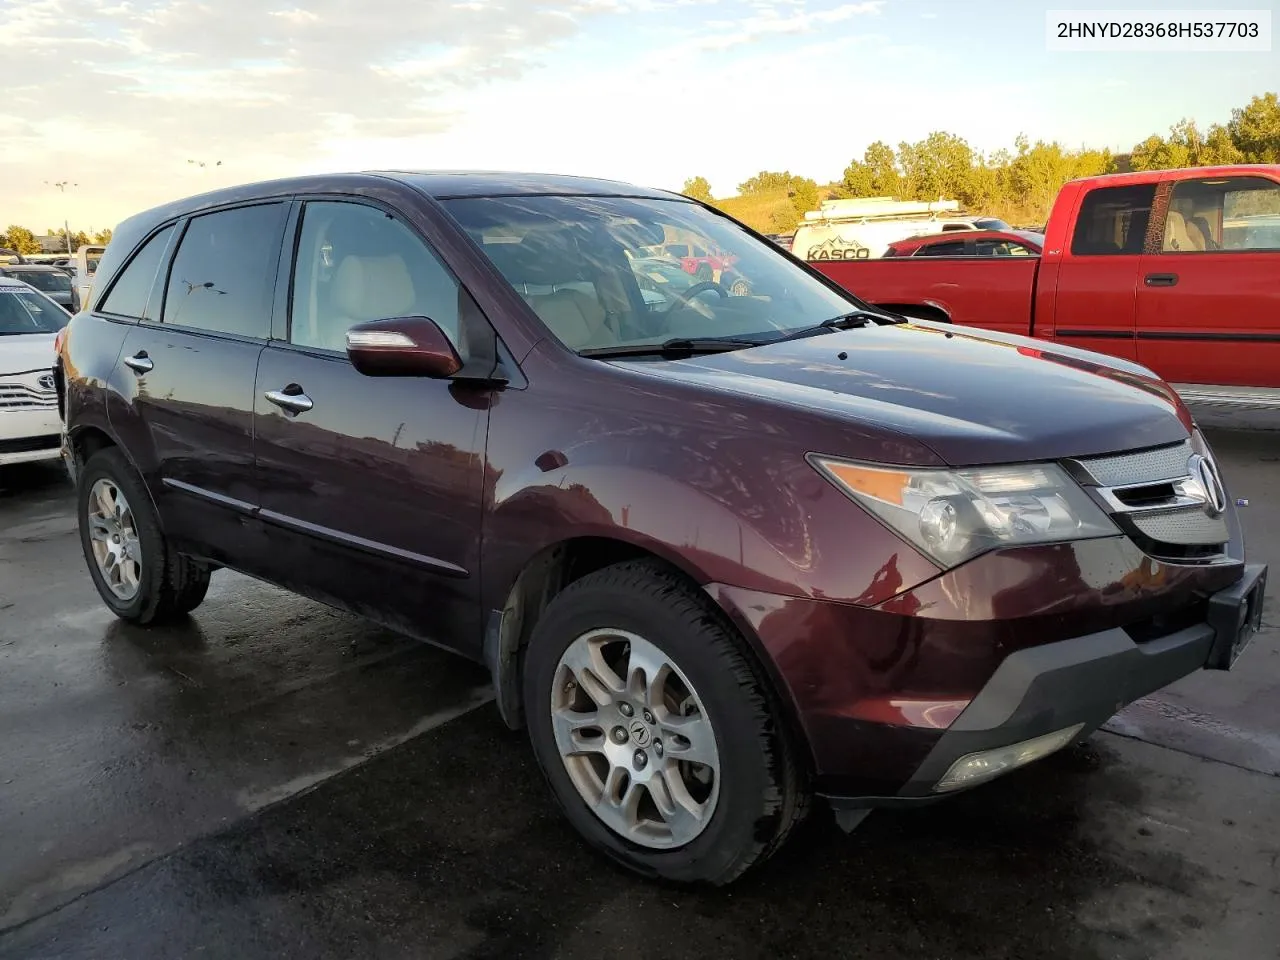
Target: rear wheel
(655, 728)
(137, 572)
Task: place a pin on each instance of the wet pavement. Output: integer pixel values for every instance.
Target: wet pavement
(275, 779)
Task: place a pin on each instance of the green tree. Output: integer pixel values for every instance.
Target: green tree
(765, 180)
(939, 166)
(1186, 146)
(1255, 129)
(102, 237)
(875, 175)
(697, 188)
(21, 240)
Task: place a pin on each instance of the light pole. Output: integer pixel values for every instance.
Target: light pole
(66, 227)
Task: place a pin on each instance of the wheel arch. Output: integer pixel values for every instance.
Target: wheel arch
(927, 310)
(555, 567)
(90, 438)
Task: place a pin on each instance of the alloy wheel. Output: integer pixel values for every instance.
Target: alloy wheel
(114, 538)
(635, 739)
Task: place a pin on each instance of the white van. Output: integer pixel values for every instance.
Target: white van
(863, 229)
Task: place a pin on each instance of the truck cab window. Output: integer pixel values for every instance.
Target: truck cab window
(1113, 221)
(1228, 213)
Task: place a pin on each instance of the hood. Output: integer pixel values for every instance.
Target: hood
(25, 352)
(972, 396)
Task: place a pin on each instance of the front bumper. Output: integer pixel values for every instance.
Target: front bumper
(1082, 683)
(29, 435)
(886, 698)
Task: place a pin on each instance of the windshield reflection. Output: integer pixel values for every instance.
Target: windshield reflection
(604, 272)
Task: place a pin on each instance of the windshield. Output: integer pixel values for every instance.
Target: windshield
(25, 311)
(605, 272)
(49, 281)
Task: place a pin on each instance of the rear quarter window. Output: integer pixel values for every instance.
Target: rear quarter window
(129, 295)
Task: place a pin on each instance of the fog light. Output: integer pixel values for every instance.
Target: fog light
(979, 767)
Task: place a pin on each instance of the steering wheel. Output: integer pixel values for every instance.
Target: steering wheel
(685, 296)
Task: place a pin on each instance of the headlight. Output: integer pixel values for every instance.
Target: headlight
(953, 515)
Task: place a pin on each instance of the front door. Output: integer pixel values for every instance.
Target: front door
(370, 487)
(1096, 290)
(190, 361)
(1209, 303)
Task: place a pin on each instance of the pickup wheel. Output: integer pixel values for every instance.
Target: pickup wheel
(656, 730)
(137, 572)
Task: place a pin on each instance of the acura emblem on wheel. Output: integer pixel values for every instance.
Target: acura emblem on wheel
(640, 733)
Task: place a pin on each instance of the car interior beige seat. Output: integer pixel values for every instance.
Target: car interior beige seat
(1179, 236)
(364, 289)
(575, 317)
(541, 269)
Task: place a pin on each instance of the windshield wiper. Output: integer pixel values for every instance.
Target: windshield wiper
(675, 347)
(854, 320)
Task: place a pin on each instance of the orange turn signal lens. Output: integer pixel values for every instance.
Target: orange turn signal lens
(886, 485)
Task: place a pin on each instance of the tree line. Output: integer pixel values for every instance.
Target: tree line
(23, 240)
(1018, 185)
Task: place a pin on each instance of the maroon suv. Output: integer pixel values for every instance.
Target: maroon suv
(721, 551)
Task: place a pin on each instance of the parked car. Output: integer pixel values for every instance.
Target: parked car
(30, 427)
(49, 280)
(703, 263)
(978, 243)
(719, 553)
(1172, 269)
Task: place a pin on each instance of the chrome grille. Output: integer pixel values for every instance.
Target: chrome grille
(1145, 466)
(1184, 528)
(1154, 496)
(15, 396)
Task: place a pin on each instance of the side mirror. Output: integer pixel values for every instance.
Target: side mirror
(402, 347)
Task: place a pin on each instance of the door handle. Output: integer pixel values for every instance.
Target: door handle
(297, 402)
(1160, 279)
(140, 362)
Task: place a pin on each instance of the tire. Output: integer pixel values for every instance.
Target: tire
(759, 794)
(169, 585)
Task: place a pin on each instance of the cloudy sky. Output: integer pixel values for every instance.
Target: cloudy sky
(118, 95)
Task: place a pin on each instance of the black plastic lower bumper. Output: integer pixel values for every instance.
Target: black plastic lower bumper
(1086, 680)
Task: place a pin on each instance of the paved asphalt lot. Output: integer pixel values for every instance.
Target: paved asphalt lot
(274, 779)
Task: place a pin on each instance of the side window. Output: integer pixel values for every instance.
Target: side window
(1234, 213)
(999, 248)
(1113, 221)
(128, 295)
(224, 271)
(952, 248)
(355, 264)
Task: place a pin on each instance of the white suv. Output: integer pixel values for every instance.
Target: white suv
(30, 428)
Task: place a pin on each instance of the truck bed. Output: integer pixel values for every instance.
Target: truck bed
(992, 292)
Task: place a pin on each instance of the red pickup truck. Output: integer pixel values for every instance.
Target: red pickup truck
(1178, 270)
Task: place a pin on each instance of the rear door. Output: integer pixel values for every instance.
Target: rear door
(1096, 294)
(371, 487)
(188, 368)
(1209, 303)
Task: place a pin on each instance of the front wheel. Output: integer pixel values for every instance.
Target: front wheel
(137, 572)
(655, 729)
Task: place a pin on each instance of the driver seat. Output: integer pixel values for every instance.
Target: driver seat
(575, 317)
